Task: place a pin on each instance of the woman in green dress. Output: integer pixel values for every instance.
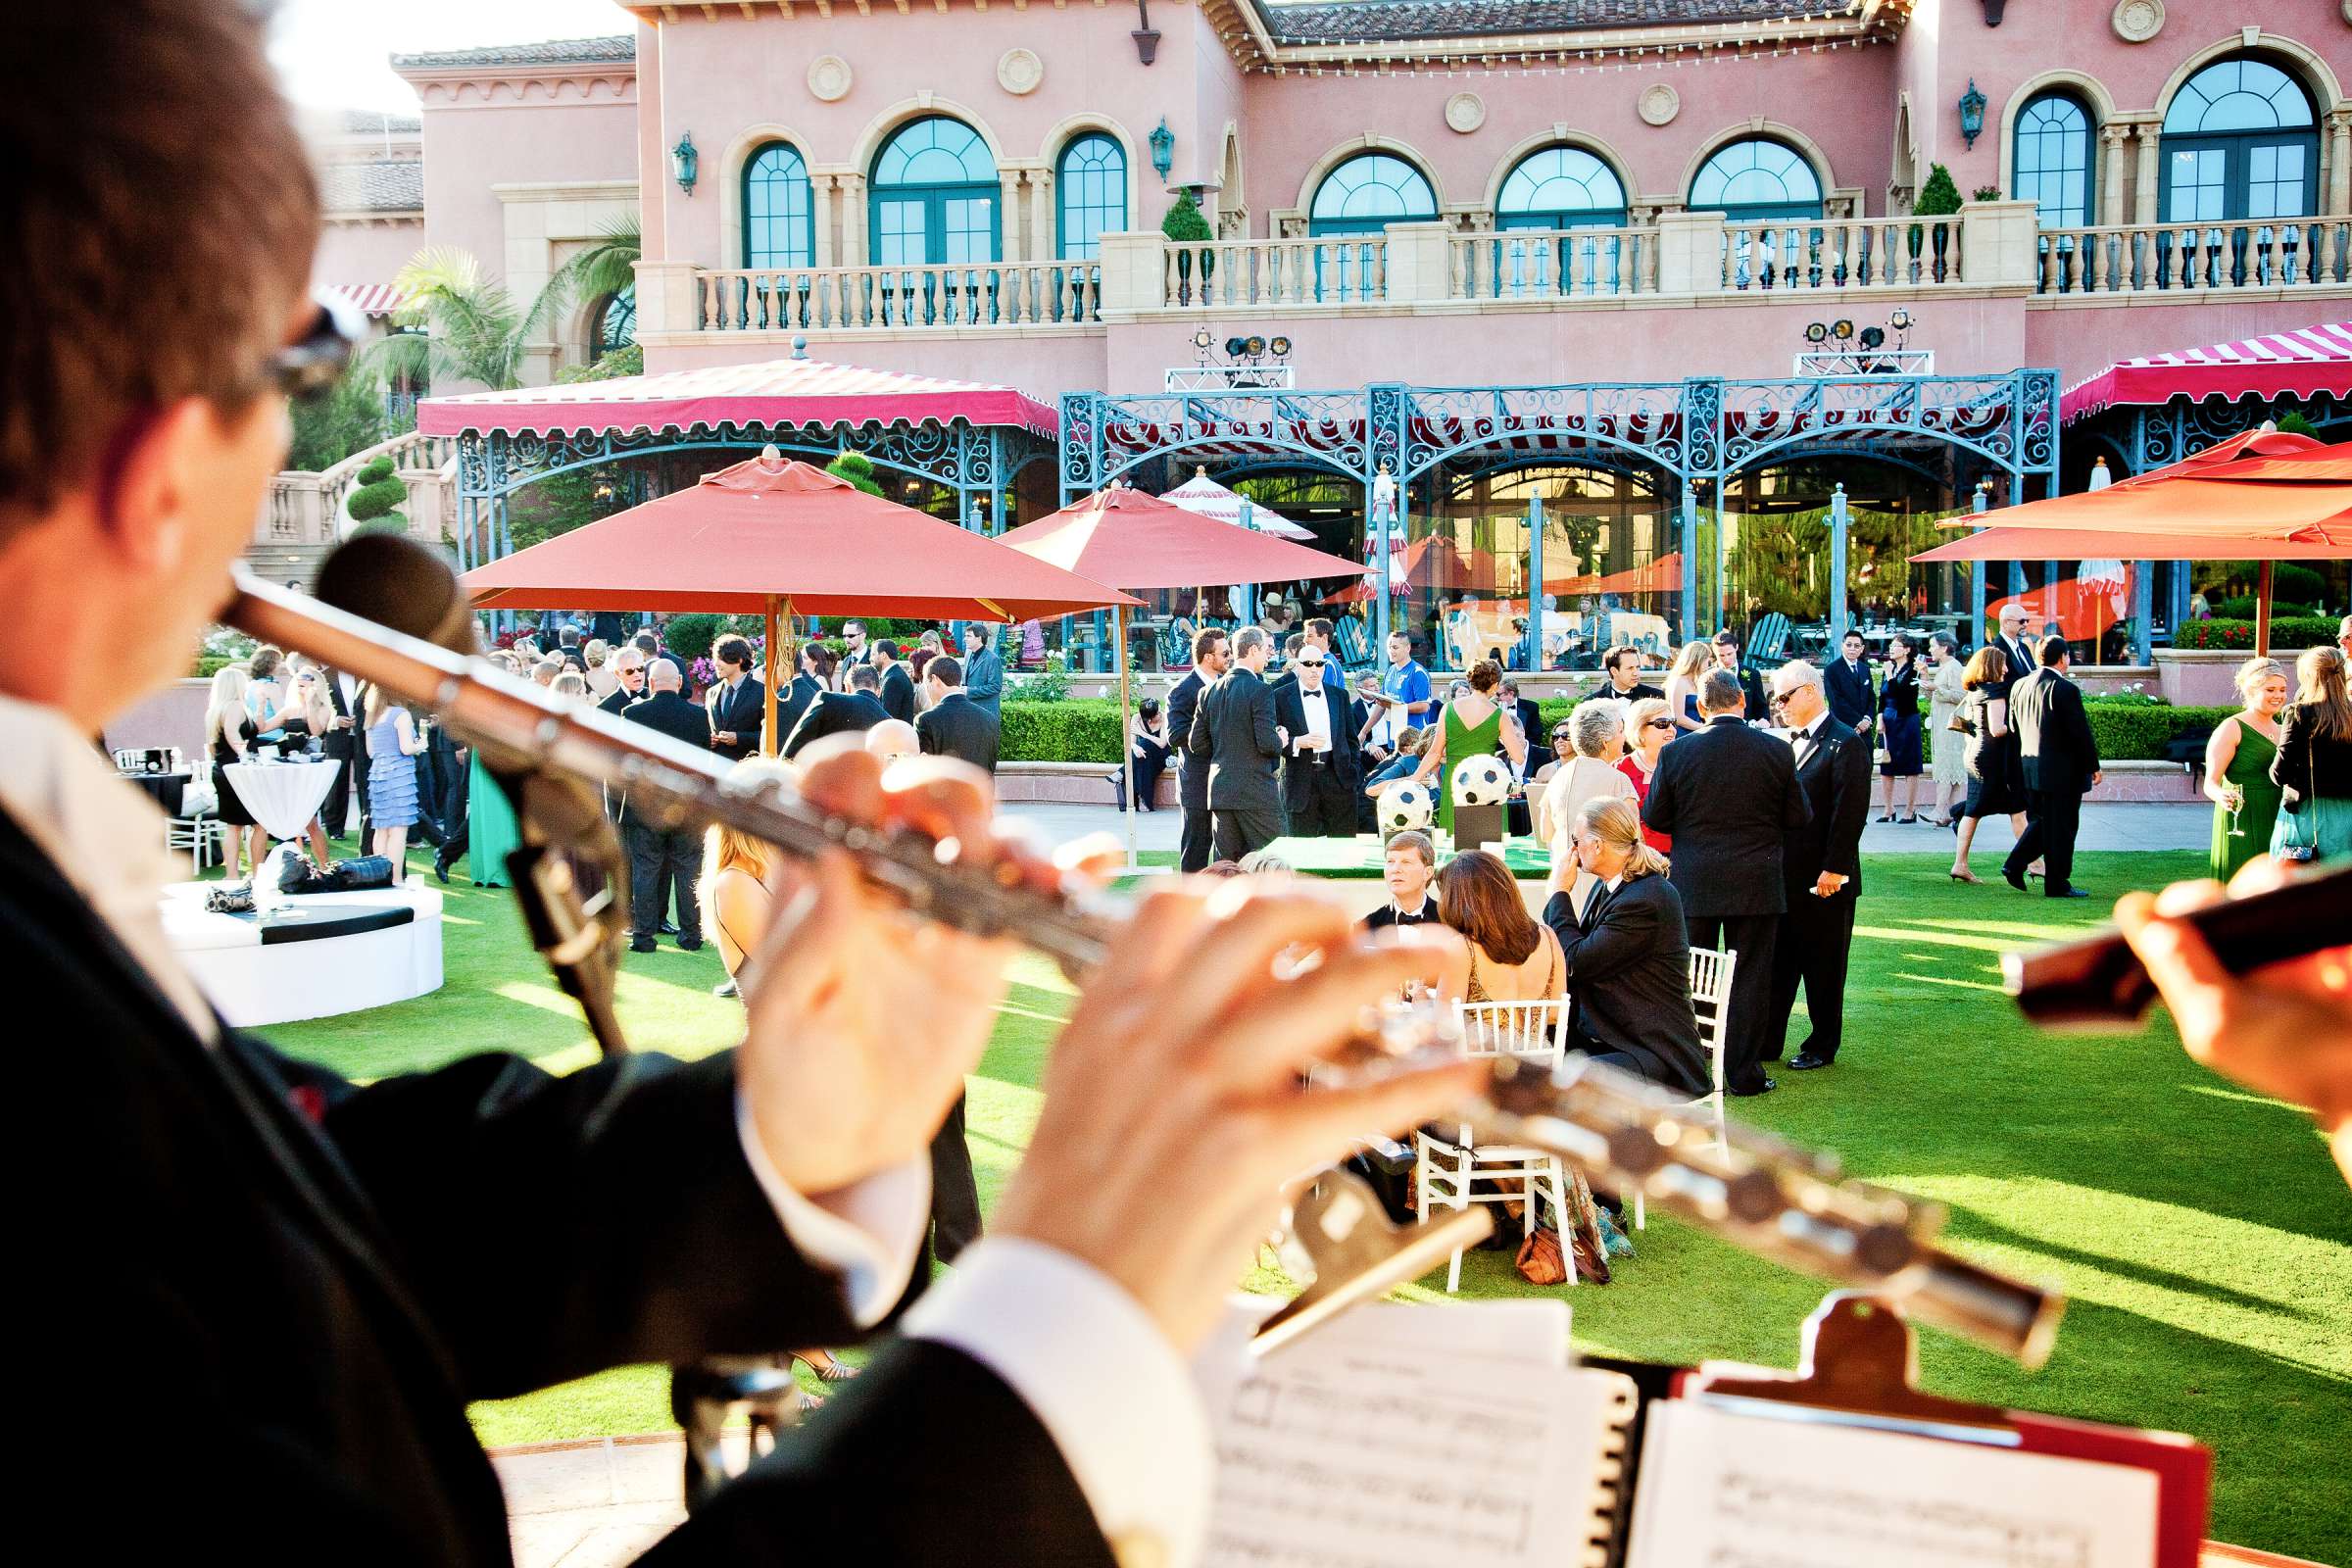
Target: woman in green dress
(490, 831)
(1475, 724)
(2238, 769)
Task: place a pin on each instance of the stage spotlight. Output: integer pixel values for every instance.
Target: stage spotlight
(1815, 332)
(1256, 347)
(1842, 329)
(1281, 347)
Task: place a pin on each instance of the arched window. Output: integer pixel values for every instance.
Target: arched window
(1090, 189)
(1560, 187)
(616, 320)
(2053, 160)
(779, 220)
(1756, 179)
(2239, 142)
(1367, 194)
(935, 196)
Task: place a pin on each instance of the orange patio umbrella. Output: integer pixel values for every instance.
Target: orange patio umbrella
(2253, 505)
(769, 536)
(1124, 536)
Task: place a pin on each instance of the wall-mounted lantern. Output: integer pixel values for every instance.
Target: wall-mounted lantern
(1972, 113)
(1163, 148)
(682, 162)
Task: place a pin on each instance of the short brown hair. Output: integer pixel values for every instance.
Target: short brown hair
(734, 650)
(945, 670)
(1484, 675)
(1320, 627)
(153, 247)
(1415, 841)
(1205, 640)
(1477, 897)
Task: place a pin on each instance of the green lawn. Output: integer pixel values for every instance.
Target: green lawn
(2200, 1231)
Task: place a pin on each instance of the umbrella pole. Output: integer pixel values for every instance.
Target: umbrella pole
(1119, 616)
(2261, 611)
(768, 728)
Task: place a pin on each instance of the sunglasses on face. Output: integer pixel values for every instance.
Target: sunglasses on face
(1657, 723)
(306, 369)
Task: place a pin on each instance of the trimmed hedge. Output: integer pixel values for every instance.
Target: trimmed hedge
(691, 635)
(1075, 729)
(2287, 631)
(376, 472)
(2127, 732)
(374, 500)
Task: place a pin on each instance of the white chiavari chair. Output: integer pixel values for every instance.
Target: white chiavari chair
(1711, 1001)
(1447, 1174)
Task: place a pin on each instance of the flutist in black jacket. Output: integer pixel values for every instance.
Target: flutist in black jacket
(314, 1276)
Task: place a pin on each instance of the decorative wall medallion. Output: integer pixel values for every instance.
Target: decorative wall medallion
(1658, 104)
(1019, 73)
(829, 78)
(1465, 112)
(2138, 21)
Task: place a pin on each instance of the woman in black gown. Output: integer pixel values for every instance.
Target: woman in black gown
(1991, 749)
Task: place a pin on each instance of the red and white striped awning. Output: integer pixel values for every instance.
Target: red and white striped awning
(369, 299)
(774, 392)
(2300, 364)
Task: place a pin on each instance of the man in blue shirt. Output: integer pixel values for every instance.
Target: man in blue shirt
(1406, 686)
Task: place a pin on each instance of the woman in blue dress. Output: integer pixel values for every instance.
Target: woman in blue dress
(1898, 731)
(393, 744)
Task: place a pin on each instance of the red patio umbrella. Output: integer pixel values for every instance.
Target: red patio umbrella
(2268, 512)
(769, 536)
(1124, 536)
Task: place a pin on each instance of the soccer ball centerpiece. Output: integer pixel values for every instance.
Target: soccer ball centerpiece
(1481, 780)
(1406, 806)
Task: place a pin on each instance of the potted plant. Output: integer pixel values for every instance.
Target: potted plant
(1184, 226)
(1940, 197)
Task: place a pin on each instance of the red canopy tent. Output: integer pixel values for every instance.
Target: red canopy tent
(769, 536)
(2294, 505)
(1124, 536)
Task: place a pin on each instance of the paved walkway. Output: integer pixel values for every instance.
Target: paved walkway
(593, 1504)
(2130, 825)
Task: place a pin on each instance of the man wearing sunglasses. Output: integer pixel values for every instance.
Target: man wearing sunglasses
(1321, 773)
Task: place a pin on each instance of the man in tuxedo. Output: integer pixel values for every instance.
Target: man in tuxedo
(983, 669)
(1727, 795)
(628, 669)
(2017, 643)
(1851, 688)
(663, 861)
(954, 725)
(1407, 867)
(737, 702)
(1236, 731)
(568, 649)
(2060, 759)
(898, 687)
(1319, 768)
(1821, 869)
(334, 1270)
(1751, 684)
(855, 652)
(1531, 724)
(839, 713)
(346, 742)
(1212, 652)
(1624, 668)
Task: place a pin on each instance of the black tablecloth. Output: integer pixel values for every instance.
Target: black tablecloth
(165, 788)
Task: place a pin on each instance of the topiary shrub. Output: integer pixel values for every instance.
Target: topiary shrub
(1079, 730)
(2242, 608)
(690, 636)
(1184, 224)
(389, 523)
(857, 469)
(376, 472)
(1940, 197)
(374, 500)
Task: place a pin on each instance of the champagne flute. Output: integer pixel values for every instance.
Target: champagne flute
(2234, 796)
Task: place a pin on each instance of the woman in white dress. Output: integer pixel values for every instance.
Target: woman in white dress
(1947, 689)
(1596, 730)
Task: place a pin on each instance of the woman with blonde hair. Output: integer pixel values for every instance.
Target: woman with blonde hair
(2313, 767)
(1596, 731)
(2238, 769)
(1648, 726)
(1691, 667)
(227, 730)
(602, 681)
(1627, 957)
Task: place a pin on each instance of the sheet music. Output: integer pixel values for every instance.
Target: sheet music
(1407, 1436)
(1743, 1492)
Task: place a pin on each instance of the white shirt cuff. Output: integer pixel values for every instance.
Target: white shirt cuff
(868, 1233)
(1099, 1376)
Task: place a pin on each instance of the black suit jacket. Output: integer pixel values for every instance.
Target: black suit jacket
(830, 715)
(1191, 772)
(898, 693)
(615, 699)
(1728, 796)
(742, 710)
(1853, 698)
(331, 1272)
(1290, 711)
(794, 700)
(1235, 730)
(1639, 690)
(1834, 777)
(352, 742)
(2023, 660)
(962, 728)
(1628, 971)
(674, 716)
(2054, 742)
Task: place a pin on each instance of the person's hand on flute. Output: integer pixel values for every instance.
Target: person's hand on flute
(2284, 1030)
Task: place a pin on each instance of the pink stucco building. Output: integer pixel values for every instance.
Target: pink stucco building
(1454, 194)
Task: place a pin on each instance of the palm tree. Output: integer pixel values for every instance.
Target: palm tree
(458, 325)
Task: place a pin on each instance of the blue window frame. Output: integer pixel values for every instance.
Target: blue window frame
(616, 323)
(779, 219)
(2052, 165)
(1090, 192)
(1560, 187)
(1367, 194)
(1756, 179)
(2239, 142)
(934, 197)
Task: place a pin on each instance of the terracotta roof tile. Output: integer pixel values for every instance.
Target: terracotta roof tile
(556, 52)
(1349, 20)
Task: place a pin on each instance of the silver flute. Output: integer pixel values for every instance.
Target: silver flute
(1756, 1191)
